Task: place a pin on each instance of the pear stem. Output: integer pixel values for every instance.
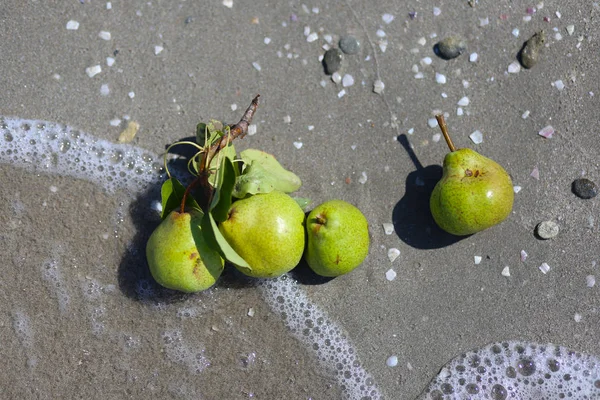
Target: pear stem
(442, 123)
(238, 130)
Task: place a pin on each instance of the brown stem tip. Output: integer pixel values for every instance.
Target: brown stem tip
(442, 123)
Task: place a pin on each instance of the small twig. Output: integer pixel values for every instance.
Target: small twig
(238, 130)
(442, 123)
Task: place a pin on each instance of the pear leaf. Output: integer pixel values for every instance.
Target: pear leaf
(226, 152)
(303, 202)
(225, 181)
(262, 173)
(207, 134)
(216, 241)
(171, 194)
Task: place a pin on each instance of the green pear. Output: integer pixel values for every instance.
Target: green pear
(179, 257)
(337, 238)
(474, 193)
(267, 231)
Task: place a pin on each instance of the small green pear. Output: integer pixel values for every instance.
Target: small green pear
(474, 193)
(267, 231)
(337, 238)
(179, 257)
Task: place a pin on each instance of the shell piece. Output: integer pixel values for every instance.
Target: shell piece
(450, 47)
(530, 53)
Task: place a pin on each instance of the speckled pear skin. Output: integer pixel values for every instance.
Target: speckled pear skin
(474, 193)
(337, 238)
(267, 231)
(179, 257)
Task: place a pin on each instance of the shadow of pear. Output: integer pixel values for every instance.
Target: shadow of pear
(411, 216)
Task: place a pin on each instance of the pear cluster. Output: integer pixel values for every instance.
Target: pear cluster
(246, 215)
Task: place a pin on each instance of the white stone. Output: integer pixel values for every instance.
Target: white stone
(390, 275)
(380, 33)
(570, 29)
(436, 137)
(459, 111)
(515, 32)
(517, 189)
(267, 40)
(526, 114)
(378, 86)
(104, 90)
(363, 178)
(440, 78)
(436, 11)
(298, 145)
(158, 50)
(336, 77)
(312, 37)
(251, 129)
(477, 260)
(251, 312)
(506, 271)
(473, 57)
(131, 95)
(419, 75)
(590, 281)
(228, 3)
(422, 41)
(256, 66)
(426, 61)
(341, 93)
(115, 122)
(72, 25)
(110, 61)
(559, 84)
(577, 317)
(393, 254)
(432, 122)
(463, 102)
(287, 119)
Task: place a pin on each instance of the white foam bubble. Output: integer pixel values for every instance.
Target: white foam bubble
(311, 326)
(518, 370)
(56, 285)
(179, 352)
(43, 146)
(22, 328)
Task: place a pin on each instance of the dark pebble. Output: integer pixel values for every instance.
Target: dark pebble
(333, 60)
(584, 188)
(349, 44)
(530, 53)
(451, 47)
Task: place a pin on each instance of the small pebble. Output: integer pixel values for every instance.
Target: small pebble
(514, 68)
(387, 18)
(336, 77)
(450, 47)
(256, 66)
(388, 228)
(392, 361)
(104, 35)
(570, 29)
(526, 114)
(158, 50)
(546, 229)
(590, 281)
(432, 122)
(473, 57)
(363, 178)
(378, 86)
(440, 78)
(477, 260)
(349, 44)
(535, 174)
(544, 268)
(517, 189)
(312, 37)
(463, 102)
(251, 312)
(530, 54)
(390, 275)
(506, 271)
(341, 93)
(559, 84)
(584, 188)
(251, 129)
(104, 90)
(333, 60)
(577, 317)
(459, 111)
(298, 145)
(393, 254)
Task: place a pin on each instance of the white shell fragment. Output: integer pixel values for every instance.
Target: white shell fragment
(440, 78)
(590, 281)
(523, 255)
(336, 77)
(514, 68)
(72, 25)
(158, 50)
(517, 189)
(535, 174)
(298, 145)
(393, 253)
(378, 86)
(390, 275)
(473, 57)
(506, 271)
(463, 102)
(476, 137)
(363, 178)
(544, 268)
(387, 18)
(93, 71)
(104, 35)
(547, 132)
(392, 361)
(432, 122)
(558, 84)
(347, 80)
(388, 228)
(251, 129)
(228, 3)
(251, 312)
(256, 66)
(477, 260)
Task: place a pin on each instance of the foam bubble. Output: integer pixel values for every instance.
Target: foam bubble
(179, 352)
(518, 370)
(24, 332)
(311, 325)
(44, 146)
(56, 284)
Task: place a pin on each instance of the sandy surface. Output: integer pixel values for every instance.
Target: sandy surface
(79, 316)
